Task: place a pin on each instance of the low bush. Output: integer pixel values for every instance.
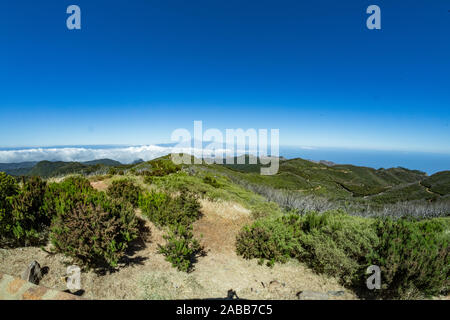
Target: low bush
(63, 196)
(23, 220)
(125, 190)
(211, 181)
(271, 239)
(95, 232)
(160, 168)
(165, 210)
(332, 243)
(181, 248)
(414, 257)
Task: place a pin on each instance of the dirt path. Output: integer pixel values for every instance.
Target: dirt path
(149, 276)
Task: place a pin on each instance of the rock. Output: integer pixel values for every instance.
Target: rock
(231, 295)
(312, 295)
(336, 293)
(33, 273)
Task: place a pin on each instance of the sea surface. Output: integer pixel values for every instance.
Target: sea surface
(423, 161)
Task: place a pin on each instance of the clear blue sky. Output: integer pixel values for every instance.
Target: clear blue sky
(139, 69)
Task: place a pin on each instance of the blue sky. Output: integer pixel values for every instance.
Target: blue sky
(139, 69)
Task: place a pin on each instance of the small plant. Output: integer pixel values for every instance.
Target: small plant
(95, 232)
(211, 181)
(125, 190)
(181, 248)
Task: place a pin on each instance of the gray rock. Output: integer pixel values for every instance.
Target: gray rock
(312, 295)
(336, 293)
(33, 273)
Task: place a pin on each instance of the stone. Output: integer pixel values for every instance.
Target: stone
(336, 293)
(312, 295)
(33, 273)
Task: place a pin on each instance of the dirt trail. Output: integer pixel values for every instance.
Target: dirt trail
(148, 275)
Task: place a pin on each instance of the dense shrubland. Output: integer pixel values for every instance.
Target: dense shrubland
(82, 223)
(327, 233)
(413, 255)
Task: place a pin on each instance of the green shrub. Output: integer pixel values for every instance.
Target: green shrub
(181, 248)
(23, 220)
(164, 210)
(333, 243)
(336, 244)
(95, 232)
(62, 197)
(211, 181)
(125, 190)
(271, 239)
(265, 209)
(8, 188)
(160, 168)
(413, 257)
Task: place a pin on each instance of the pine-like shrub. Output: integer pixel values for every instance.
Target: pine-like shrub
(414, 257)
(165, 210)
(125, 190)
(181, 248)
(95, 232)
(62, 197)
(333, 243)
(211, 181)
(23, 220)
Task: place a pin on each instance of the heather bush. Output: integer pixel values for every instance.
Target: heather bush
(62, 197)
(336, 244)
(125, 190)
(23, 220)
(270, 239)
(332, 243)
(414, 257)
(211, 181)
(165, 210)
(95, 232)
(181, 248)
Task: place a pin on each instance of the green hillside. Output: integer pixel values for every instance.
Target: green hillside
(336, 181)
(438, 183)
(48, 169)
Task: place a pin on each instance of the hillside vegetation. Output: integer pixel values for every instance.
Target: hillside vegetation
(308, 212)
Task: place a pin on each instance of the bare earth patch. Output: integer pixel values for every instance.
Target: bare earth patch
(146, 275)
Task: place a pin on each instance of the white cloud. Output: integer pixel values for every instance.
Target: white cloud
(121, 154)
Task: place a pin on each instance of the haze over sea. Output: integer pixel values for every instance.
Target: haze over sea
(424, 161)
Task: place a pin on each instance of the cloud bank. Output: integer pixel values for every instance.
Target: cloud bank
(121, 154)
